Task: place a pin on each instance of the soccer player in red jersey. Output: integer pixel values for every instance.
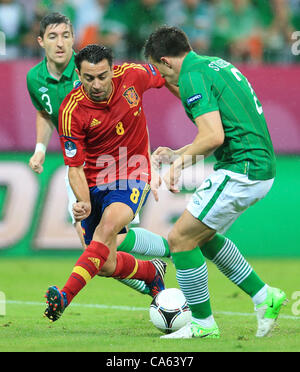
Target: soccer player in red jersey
(104, 138)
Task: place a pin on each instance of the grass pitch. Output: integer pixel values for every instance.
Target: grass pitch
(110, 317)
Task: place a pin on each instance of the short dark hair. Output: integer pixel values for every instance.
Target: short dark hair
(167, 41)
(54, 18)
(94, 53)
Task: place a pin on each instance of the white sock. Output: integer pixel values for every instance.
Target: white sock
(260, 296)
(205, 323)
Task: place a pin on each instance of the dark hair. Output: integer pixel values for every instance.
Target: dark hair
(167, 41)
(94, 53)
(53, 19)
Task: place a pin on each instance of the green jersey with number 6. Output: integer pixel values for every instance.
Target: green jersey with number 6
(208, 84)
(46, 92)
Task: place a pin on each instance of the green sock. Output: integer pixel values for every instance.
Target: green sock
(138, 285)
(232, 264)
(128, 242)
(191, 274)
(145, 242)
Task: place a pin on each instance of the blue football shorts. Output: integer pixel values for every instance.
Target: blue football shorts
(132, 193)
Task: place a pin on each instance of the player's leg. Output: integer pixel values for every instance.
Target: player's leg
(229, 260)
(101, 253)
(100, 256)
(117, 264)
(192, 276)
(133, 196)
(143, 242)
(135, 284)
(130, 243)
(58, 300)
(136, 240)
(236, 194)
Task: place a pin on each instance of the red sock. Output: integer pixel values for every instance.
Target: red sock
(128, 267)
(87, 266)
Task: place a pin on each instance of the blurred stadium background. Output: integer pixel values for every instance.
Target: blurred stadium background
(261, 37)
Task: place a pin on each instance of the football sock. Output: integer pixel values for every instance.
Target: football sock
(87, 266)
(138, 285)
(128, 267)
(144, 242)
(205, 323)
(191, 274)
(232, 264)
(260, 295)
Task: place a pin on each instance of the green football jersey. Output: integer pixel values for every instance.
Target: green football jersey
(208, 84)
(46, 92)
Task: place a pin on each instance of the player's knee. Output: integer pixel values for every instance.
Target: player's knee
(175, 241)
(106, 232)
(179, 242)
(110, 265)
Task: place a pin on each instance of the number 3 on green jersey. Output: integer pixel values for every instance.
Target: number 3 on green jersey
(47, 101)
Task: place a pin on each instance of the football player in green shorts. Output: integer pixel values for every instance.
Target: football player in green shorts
(48, 83)
(231, 124)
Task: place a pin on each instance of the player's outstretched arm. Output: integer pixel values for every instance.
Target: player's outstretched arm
(44, 130)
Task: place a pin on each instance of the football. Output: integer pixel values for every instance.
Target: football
(169, 310)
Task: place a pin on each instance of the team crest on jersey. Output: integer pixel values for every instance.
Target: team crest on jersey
(131, 97)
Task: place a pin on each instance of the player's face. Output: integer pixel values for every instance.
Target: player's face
(96, 79)
(166, 71)
(58, 43)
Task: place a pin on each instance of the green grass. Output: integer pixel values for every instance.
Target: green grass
(112, 329)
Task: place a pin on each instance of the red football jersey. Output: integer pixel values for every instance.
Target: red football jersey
(110, 137)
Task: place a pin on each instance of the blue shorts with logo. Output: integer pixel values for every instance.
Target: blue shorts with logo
(130, 192)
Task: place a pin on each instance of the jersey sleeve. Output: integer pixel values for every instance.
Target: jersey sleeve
(31, 92)
(71, 134)
(150, 77)
(197, 94)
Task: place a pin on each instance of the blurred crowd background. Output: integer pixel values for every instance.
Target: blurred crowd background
(248, 31)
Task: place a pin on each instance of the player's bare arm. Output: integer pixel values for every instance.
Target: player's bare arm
(44, 130)
(209, 137)
(82, 208)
